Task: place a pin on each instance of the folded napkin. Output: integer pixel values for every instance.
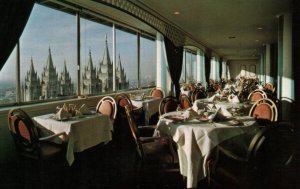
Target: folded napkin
(65, 107)
(212, 99)
(84, 110)
(62, 115)
(233, 98)
(221, 115)
(190, 114)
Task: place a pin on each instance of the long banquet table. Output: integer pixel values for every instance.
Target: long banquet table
(83, 132)
(195, 139)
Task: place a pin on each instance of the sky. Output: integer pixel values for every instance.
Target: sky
(49, 28)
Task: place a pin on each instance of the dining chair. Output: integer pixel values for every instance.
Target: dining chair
(264, 109)
(121, 133)
(256, 95)
(198, 94)
(157, 92)
(157, 150)
(251, 160)
(31, 145)
(168, 104)
(107, 106)
(268, 86)
(240, 162)
(185, 102)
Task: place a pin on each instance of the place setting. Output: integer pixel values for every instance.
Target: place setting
(70, 111)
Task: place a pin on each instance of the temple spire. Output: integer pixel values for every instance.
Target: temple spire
(106, 58)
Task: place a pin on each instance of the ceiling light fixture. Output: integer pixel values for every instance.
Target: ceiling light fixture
(256, 40)
(176, 13)
(231, 37)
(260, 28)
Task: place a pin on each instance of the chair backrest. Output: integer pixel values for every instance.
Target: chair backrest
(191, 86)
(23, 131)
(257, 95)
(122, 100)
(198, 94)
(184, 101)
(264, 109)
(270, 146)
(168, 104)
(157, 92)
(133, 129)
(107, 106)
(268, 86)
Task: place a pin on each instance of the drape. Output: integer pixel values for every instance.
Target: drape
(13, 18)
(174, 57)
(207, 68)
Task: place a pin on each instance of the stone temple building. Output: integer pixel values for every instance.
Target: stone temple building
(32, 86)
(50, 85)
(95, 82)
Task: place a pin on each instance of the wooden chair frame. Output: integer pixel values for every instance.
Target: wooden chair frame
(26, 135)
(270, 104)
(257, 91)
(183, 98)
(113, 103)
(164, 101)
(157, 88)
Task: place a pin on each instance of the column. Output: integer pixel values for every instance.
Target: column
(224, 69)
(212, 68)
(269, 78)
(162, 77)
(285, 72)
(201, 67)
(217, 72)
(228, 73)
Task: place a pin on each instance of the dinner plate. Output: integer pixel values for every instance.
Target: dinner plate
(203, 119)
(233, 122)
(176, 118)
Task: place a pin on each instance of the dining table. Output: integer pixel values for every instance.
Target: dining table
(83, 132)
(149, 104)
(196, 138)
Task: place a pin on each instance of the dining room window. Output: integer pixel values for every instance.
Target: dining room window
(49, 65)
(189, 67)
(96, 57)
(148, 62)
(48, 55)
(126, 59)
(8, 80)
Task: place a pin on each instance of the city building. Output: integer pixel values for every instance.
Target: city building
(50, 86)
(93, 83)
(32, 85)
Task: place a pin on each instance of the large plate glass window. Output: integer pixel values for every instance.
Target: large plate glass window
(96, 57)
(148, 62)
(48, 55)
(8, 80)
(126, 67)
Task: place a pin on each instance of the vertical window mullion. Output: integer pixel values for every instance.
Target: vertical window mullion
(18, 81)
(138, 60)
(78, 54)
(114, 55)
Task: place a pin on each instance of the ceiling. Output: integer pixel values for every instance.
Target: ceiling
(234, 29)
(231, 29)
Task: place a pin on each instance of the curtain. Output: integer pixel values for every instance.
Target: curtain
(207, 68)
(13, 18)
(174, 57)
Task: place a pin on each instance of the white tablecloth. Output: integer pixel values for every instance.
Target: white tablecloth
(196, 139)
(201, 103)
(83, 132)
(150, 106)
